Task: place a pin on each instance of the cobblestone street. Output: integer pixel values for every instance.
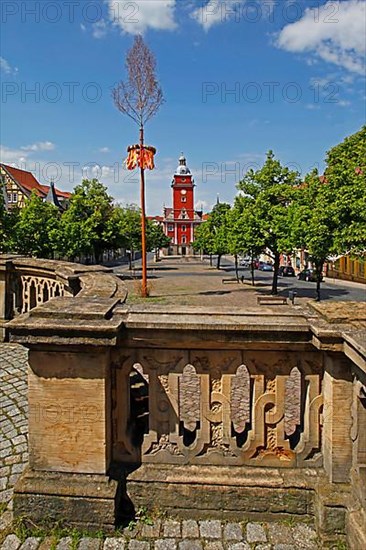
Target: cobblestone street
(14, 411)
(185, 535)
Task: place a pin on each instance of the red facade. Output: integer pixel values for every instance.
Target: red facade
(181, 220)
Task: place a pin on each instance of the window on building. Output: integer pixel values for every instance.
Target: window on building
(15, 197)
(184, 239)
(170, 228)
(184, 199)
(184, 228)
(9, 197)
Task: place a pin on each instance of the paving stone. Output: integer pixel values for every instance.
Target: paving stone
(190, 545)
(114, 544)
(210, 529)
(88, 543)
(171, 529)
(31, 543)
(239, 546)
(11, 543)
(47, 543)
(304, 537)
(256, 533)
(214, 545)
(190, 529)
(5, 520)
(138, 545)
(278, 533)
(233, 531)
(64, 544)
(151, 531)
(263, 547)
(282, 546)
(165, 544)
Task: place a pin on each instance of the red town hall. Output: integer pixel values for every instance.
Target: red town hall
(181, 221)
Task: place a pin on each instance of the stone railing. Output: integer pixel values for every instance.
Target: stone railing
(238, 414)
(26, 283)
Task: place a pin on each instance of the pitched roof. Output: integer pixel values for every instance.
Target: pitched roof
(26, 180)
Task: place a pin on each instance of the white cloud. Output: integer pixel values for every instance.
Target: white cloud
(312, 107)
(104, 150)
(343, 103)
(138, 16)
(334, 32)
(12, 156)
(215, 12)
(99, 29)
(39, 146)
(6, 68)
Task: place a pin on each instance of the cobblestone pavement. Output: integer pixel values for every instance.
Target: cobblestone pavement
(186, 535)
(14, 412)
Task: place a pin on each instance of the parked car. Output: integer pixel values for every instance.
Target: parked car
(244, 263)
(286, 271)
(308, 275)
(265, 267)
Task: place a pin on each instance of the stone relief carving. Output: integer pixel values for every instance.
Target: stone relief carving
(217, 409)
(37, 290)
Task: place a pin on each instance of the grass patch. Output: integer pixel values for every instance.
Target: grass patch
(3, 507)
(24, 527)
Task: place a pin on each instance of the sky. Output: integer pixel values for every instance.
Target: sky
(240, 77)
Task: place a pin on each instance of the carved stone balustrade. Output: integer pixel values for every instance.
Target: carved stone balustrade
(245, 413)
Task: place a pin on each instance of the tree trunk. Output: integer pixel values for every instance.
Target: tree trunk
(252, 270)
(236, 267)
(210, 260)
(275, 274)
(218, 261)
(318, 272)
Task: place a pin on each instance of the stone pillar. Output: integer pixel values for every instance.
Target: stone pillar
(70, 439)
(69, 411)
(337, 418)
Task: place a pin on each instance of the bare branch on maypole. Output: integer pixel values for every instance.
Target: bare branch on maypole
(140, 97)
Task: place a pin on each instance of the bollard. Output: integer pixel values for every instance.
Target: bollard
(292, 295)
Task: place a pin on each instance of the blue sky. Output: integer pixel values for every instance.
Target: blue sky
(239, 78)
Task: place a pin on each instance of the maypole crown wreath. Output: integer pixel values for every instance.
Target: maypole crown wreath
(142, 158)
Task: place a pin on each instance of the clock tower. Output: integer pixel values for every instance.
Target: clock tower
(181, 220)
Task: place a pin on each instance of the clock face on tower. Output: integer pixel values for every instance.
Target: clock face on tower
(183, 192)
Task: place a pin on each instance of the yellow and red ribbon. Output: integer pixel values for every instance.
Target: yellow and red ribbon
(144, 158)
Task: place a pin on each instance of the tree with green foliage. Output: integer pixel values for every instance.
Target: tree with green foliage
(270, 190)
(219, 227)
(156, 238)
(36, 230)
(312, 223)
(245, 236)
(345, 176)
(203, 239)
(86, 224)
(4, 222)
(328, 214)
(128, 224)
